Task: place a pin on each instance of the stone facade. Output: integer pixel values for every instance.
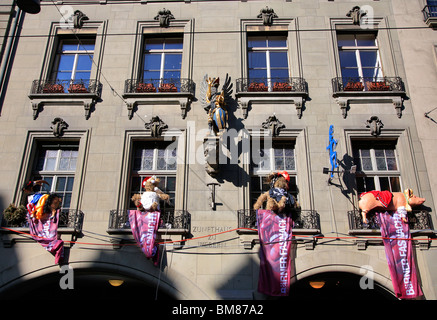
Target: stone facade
(218, 259)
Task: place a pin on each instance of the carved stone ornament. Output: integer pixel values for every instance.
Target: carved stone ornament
(356, 14)
(273, 124)
(267, 14)
(156, 125)
(58, 127)
(79, 19)
(164, 16)
(375, 125)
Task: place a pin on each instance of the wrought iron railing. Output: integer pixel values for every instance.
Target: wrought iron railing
(159, 86)
(66, 87)
(294, 84)
(68, 218)
(429, 12)
(417, 220)
(391, 84)
(302, 219)
(171, 219)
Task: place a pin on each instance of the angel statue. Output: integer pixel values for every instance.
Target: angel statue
(215, 102)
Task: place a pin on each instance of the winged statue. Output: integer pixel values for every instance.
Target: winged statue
(214, 101)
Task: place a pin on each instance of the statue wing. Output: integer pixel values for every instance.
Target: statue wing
(203, 91)
(227, 89)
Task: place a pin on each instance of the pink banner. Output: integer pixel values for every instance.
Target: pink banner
(45, 232)
(144, 226)
(399, 253)
(275, 234)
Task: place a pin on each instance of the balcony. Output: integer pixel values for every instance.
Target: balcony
(271, 90)
(82, 92)
(430, 16)
(306, 223)
(420, 223)
(158, 91)
(175, 223)
(70, 222)
(369, 90)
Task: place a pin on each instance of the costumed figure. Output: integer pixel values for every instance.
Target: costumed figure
(43, 224)
(145, 221)
(215, 102)
(277, 199)
(149, 200)
(35, 200)
(386, 200)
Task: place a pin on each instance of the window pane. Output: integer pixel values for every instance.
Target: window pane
(366, 40)
(257, 42)
(66, 62)
(149, 75)
(277, 42)
(348, 59)
(173, 44)
(257, 74)
(278, 60)
(384, 184)
(60, 184)
(279, 74)
(347, 40)
(85, 76)
(395, 184)
(84, 62)
(154, 44)
(152, 61)
(369, 58)
(257, 60)
(173, 61)
(366, 164)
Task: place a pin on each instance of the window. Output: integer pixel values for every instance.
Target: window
(377, 167)
(281, 156)
(268, 59)
(57, 166)
(162, 59)
(73, 62)
(154, 158)
(432, 8)
(359, 57)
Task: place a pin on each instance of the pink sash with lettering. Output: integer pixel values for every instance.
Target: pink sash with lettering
(275, 234)
(45, 232)
(399, 253)
(144, 226)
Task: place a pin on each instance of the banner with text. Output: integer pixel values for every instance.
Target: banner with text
(399, 253)
(45, 232)
(144, 227)
(275, 234)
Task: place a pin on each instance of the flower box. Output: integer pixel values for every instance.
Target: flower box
(168, 87)
(354, 86)
(281, 86)
(53, 88)
(377, 86)
(145, 87)
(257, 86)
(78, 88)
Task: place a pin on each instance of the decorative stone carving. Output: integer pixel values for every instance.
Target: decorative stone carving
(58, 127)
(79, 19)
(164, 16)
(267, 14)
(356, 14)
(375, 125)
(156, 125)
(274, 125)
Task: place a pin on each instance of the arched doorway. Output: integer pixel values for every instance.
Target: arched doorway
(336, 286)
(87, 285)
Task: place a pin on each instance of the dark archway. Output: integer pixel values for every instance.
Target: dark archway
(87, 285)
(336, 286)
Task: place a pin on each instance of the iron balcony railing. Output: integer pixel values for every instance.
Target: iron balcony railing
(429, 12)
(295, 85)
(172, 219)
(372, 84)
(68, 219)
(159, 86)
(66, 87)
(302, 219)
(417, 220)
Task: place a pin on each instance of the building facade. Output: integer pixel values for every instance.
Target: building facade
(102, 94)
